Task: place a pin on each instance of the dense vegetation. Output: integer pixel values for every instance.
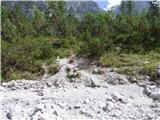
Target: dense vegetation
(129, 41)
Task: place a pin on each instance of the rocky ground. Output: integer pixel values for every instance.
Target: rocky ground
(81, 92)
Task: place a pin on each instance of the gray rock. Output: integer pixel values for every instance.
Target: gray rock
(77, 106)
(40, 93)
(40, 106)
(109, 106)
(95, 82)
(147, 78)
(9, 115)
(145, 83)
(13, 88)
(132, 79)
(109, 98)
(86, 113)
(90, 81)
(147, 91)
(155, 95)
(41, 118)
(49, 84)
(118, 97)
(2, 88)
(56, 113)
(115, 79)
(98, 71)
(86, 101)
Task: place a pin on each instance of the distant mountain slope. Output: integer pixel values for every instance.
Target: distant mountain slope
(26, 6)
(139, 6)
(77, 8)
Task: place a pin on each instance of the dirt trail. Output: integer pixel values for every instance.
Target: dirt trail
(105, 96)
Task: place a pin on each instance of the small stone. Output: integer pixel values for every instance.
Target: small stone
(147, 78)
(49, 84)
(9, 115)
(131, 97)
(132, 79)
(95, 82)
(40, 93)
(41, 118)
(147, 91)
(40, 106)
(119, 98)
(62, 105)
(2, 88)
(109, 98)
(86, 113)
(109, 106)
(87, 101)
(13, 88)
(116, 97)
(56, 113)
(75, 69)
(97, 71)
(77, 106)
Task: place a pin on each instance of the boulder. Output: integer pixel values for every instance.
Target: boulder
(155, 95)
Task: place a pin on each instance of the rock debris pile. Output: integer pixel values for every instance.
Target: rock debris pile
(96, 93)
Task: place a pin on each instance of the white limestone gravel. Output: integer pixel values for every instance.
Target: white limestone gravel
(56, 98)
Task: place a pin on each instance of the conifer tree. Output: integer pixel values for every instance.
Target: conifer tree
(39, 22)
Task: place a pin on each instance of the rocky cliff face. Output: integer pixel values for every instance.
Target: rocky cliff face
(77, 8)
(139, 6)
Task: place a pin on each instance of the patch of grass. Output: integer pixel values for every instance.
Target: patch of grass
(17, 75)
(132, 63)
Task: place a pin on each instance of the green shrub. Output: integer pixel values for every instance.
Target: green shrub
(53, 69)
(68, 69)
(27, 54)
(72, 76)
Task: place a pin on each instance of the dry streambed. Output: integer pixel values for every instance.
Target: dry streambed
(90, 93)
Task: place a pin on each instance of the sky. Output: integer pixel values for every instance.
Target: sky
(106, 4)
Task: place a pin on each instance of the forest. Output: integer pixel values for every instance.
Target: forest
(129, 41)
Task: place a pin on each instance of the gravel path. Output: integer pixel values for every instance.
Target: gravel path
(105, 96)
